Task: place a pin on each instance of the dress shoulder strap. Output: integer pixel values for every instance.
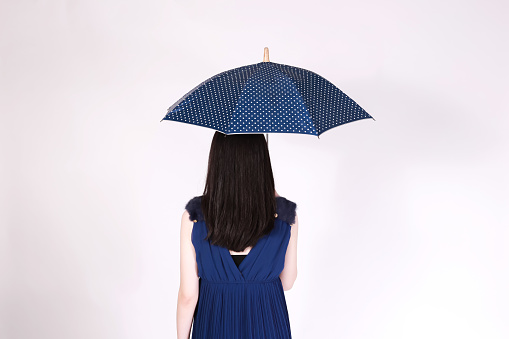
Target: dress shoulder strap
(286, 209)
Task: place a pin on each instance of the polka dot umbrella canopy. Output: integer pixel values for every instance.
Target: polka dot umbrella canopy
(266, 97)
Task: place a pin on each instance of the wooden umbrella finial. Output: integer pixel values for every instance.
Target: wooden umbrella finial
(266, 54)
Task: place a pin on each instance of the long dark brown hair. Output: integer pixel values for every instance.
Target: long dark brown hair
(238, 201)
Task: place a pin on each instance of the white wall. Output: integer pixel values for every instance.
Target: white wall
(403, 220)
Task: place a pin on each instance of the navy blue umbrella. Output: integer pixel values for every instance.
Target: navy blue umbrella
(266, 97)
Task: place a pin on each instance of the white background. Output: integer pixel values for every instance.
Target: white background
(403, 220)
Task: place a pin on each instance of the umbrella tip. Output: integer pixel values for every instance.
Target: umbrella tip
(266, 54)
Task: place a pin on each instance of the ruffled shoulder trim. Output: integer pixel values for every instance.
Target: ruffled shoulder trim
(285, 209)
(193, 206)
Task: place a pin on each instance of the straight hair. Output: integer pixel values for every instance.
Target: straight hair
(238, 201)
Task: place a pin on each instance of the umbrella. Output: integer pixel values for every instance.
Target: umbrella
(266, 97)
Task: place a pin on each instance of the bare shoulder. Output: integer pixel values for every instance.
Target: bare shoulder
(186, 220)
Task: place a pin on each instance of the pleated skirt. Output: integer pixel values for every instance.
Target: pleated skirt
(241, 310)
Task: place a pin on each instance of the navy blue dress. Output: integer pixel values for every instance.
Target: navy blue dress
(248, 301)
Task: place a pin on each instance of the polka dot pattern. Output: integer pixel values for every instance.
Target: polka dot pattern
(266, 97)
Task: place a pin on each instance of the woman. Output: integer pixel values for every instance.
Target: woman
(239, 214)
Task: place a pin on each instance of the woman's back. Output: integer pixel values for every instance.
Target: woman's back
(244, 301)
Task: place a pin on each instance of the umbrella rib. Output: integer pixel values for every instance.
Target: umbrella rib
(241, 92)
(302, 99)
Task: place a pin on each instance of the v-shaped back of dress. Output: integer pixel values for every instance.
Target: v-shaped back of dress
(265, 260)
(248, 301)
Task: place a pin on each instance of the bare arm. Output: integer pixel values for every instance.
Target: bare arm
(189, 287)
(289, 273)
